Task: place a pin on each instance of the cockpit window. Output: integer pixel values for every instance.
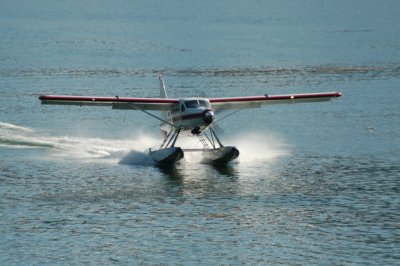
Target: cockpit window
(204, 103)
(197, 103)
(192, 104)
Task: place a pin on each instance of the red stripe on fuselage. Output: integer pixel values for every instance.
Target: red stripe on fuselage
(190, 116)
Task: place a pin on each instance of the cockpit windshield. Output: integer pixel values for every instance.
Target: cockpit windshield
(204, 103)
(197, 103)
(192, 104)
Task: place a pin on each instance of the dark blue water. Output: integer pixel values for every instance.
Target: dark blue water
(314, 184)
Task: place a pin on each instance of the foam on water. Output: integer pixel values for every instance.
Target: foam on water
(259, 146)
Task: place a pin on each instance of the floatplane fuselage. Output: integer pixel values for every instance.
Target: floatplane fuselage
(195, 116)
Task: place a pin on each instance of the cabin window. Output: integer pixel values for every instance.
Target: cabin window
(182, 108)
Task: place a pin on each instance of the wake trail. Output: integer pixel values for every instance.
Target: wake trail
(253, 147)
(19, 137)
(8, 126)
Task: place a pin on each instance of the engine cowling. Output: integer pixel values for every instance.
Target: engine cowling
(208, 117)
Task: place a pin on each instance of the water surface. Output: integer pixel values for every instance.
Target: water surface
(314, 184)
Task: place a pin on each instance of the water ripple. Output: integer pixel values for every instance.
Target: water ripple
(366, 71)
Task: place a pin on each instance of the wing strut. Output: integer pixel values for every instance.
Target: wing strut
(228, 115)
(156, 117)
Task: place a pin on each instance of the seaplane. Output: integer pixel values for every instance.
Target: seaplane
(193, 116)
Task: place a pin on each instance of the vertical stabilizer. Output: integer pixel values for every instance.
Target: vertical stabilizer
(163, 92)
(164, 115)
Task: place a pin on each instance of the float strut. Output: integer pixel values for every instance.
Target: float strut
(215, 135)
(176, 136)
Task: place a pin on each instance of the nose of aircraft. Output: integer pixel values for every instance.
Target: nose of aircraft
(208, 117)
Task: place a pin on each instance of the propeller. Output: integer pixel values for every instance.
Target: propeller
(217, 128)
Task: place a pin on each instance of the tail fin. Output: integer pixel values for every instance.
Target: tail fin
(164, 114)
(163, 92)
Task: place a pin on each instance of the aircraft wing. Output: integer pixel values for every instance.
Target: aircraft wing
(257, 101)
(160, 104)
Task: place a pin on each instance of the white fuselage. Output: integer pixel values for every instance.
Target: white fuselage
(193, 114)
